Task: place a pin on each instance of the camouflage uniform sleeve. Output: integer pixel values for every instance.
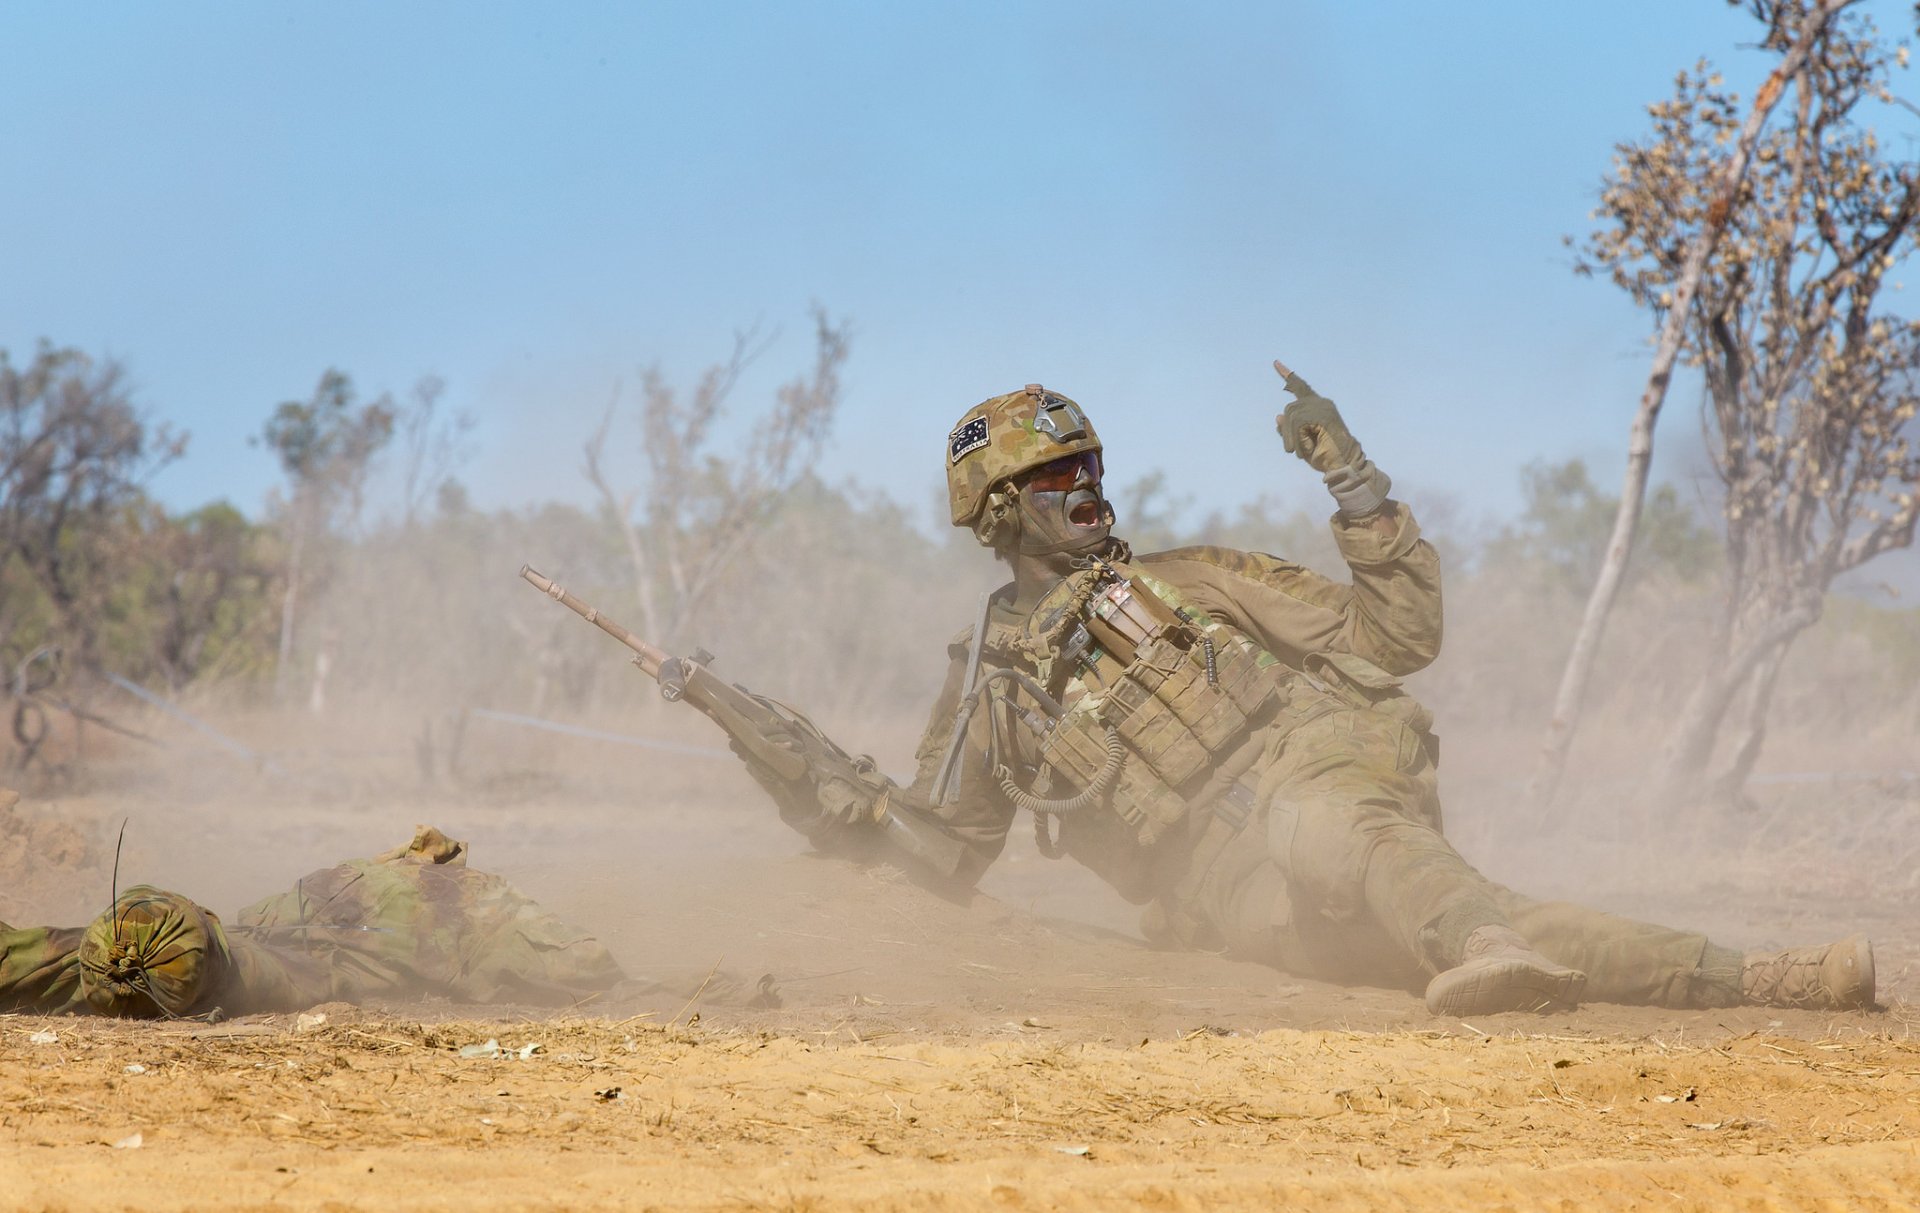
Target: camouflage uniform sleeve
(978, 816)
(1390, 614)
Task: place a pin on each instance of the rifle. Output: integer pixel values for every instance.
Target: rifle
(818, 786)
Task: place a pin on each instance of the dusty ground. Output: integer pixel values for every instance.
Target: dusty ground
(1024, 1051)
(372, 1113)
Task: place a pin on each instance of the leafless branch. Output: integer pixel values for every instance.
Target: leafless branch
(696, 510)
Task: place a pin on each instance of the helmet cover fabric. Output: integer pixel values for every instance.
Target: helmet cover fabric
(1002, 437)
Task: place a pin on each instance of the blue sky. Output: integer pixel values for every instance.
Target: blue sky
(1137, 204)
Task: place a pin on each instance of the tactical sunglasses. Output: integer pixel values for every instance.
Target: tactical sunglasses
(1062, 474)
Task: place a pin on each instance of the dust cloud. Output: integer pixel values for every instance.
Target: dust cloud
(429, 658)
(924, 1050)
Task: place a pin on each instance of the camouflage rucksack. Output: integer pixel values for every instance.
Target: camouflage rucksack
(154, 955)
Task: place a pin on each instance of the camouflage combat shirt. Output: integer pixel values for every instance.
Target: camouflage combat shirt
(1389, 618)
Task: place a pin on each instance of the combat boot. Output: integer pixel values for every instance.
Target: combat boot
(1838, 977)
(1500, 971)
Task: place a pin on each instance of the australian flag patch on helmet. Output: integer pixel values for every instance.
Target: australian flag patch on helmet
(969, 437)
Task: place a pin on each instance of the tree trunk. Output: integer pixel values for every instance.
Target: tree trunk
(317, 696)
(288, 608)
(1568, 701)
(1728, 786)
(1690, 749)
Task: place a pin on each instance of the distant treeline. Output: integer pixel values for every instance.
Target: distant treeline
(830, 595)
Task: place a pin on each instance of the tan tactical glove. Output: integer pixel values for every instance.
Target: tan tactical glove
(820, 808)
(1312, 428)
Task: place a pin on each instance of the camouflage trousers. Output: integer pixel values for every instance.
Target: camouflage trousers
(1342, 874)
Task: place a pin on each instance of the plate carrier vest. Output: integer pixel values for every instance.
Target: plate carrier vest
(1154, 697)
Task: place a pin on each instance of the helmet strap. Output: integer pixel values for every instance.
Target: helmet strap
(998, 522)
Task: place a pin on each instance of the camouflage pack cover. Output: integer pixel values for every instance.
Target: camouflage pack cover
(155, 954)
(415, 920)
(1002, 437)
(40, 970)
(1177, 710)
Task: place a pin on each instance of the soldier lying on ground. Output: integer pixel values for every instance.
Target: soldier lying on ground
(413, 922)
(1223, 735)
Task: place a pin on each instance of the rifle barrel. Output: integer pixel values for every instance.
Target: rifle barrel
(647, 657)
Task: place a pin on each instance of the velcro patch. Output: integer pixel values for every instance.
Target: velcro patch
(968, 438)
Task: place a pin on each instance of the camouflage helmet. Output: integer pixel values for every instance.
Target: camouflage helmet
(1007, 435)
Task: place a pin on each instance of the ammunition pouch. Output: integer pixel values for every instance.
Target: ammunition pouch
(1181, 706)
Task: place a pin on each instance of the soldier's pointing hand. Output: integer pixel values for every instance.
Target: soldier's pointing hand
(1312, 428)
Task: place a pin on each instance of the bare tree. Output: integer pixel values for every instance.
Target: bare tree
(432, 445)
(1810, 385)
(326, 445)
(1711, 177)
(695, 511)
